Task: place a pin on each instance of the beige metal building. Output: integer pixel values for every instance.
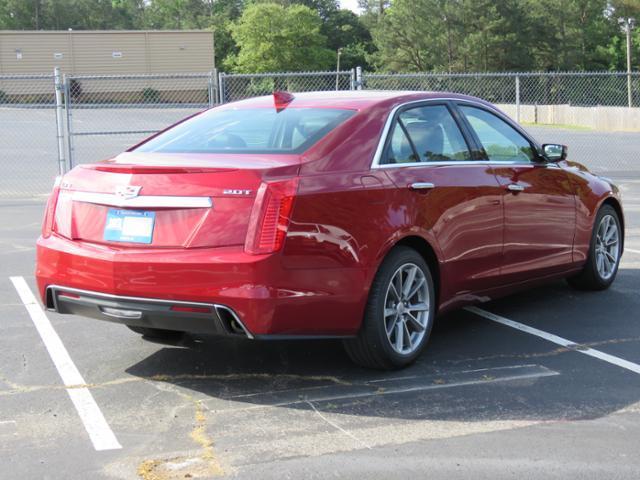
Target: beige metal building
(106, 52)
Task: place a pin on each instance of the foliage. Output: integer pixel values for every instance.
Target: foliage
(494, 35)
(394, 35)
(274, 38)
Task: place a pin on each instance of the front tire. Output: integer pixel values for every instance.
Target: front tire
(605, 250)
(399, 313)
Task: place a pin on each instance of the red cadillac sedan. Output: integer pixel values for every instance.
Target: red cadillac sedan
(353, 215)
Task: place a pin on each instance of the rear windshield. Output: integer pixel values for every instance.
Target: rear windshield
(257, 130)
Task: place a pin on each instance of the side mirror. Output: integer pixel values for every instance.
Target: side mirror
(555, 152)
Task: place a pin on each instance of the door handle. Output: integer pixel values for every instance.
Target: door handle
(422, 186)
(514, 187)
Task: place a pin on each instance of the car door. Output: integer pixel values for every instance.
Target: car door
(441, 190)
(538, 198)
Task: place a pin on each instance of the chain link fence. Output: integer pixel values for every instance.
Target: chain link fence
(90, 118)
(108, 114)
(28, 158)
(583, 89)
(239, 86)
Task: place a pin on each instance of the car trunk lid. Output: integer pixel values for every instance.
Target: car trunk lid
(143, 200)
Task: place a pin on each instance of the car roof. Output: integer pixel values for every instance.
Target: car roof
(352, 99)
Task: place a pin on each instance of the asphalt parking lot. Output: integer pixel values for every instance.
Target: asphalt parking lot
(486, 400)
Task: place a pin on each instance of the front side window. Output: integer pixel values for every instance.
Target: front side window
(248, 130)
(426, 134)
(500, 141)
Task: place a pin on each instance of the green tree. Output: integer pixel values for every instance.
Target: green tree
(416, 35)
(274, 38)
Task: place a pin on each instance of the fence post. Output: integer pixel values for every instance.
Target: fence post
(66, 83)
(57, 81)
(211, 87)
(359, 78)
(518, 98)
(352, 84)
(221, 94)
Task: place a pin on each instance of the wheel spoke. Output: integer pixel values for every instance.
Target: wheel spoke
(389, 311)
(600, 263)
(397, 284)
(418, 307)
(408, 283)
(399, 335)
(394, 290)
(417, 326)
(407, 334)
(417, 287)
(611, 232)
(391, 325)
(607, 264)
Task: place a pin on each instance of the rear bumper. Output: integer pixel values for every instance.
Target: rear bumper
(146, 312)
(266, 298)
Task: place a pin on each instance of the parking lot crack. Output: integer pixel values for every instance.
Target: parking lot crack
(338, 427)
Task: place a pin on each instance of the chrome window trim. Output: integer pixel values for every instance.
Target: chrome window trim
(460, 163)
(375, 164)
(144, 201)
(213, 306)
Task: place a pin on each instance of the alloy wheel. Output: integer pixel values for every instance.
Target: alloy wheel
(607, 247)
(406, 311)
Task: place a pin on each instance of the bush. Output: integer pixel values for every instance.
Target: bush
(150, 95)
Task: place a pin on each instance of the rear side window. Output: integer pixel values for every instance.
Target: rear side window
(500, 141)
(426, 134)
(257, 130)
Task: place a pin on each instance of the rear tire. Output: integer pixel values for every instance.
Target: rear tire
(155, 332)
(399, 313)
(605, 250)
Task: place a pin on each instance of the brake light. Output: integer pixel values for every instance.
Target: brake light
(50, 209)
(269, 220)
(281, 100)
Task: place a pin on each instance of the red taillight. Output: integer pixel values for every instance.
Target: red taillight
(270, 216)
(50, 210)
(180, 308)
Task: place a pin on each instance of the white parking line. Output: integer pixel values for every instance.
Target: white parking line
(634, 367)
(631, 250)
(94, 422)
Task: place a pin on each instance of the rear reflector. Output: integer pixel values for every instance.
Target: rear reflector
(270, 216)
(181, 308)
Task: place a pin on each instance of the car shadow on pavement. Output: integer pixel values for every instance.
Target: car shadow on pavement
(473, 369)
